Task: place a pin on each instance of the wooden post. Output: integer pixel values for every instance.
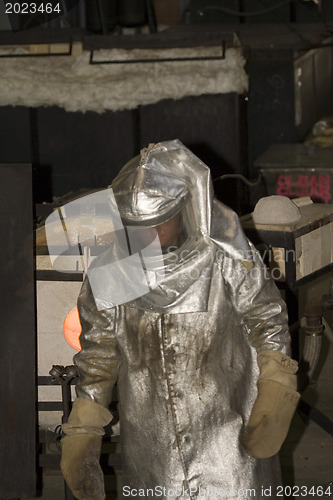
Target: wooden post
(17, 338)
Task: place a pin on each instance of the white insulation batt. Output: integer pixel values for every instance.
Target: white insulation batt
(70, 82)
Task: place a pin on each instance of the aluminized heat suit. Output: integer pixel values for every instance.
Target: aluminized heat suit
(185, 354)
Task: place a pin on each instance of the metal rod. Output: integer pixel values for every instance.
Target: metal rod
(158, 60)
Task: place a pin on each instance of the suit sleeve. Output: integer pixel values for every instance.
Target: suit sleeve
(257, 303)
(99, 359)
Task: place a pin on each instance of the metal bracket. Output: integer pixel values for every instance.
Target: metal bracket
(158, 60)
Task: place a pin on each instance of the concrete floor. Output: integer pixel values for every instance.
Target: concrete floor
(307, 455)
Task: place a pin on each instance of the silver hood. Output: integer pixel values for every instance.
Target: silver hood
(155, 185)
(149, 190)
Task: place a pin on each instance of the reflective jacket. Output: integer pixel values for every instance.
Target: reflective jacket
(187, 373)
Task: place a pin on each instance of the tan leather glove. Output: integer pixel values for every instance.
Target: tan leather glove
(81, 449)
(274, 407)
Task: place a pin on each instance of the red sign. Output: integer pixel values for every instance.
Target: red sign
(318, 187)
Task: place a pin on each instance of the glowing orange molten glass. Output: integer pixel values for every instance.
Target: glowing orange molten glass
(72, 328)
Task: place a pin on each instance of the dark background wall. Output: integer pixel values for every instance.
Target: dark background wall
(290, 87)
(74, 151)
(289, 90)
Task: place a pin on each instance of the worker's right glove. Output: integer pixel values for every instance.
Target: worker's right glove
(274, 407)
(81, 449)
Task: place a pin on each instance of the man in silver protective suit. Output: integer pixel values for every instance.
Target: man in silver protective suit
(206, 386)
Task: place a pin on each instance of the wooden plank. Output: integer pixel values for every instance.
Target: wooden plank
(17, 340)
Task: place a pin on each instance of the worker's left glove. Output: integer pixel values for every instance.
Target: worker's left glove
(274, 407)
(81, 449)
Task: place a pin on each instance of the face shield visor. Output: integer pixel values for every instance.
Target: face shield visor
(154, 204)
(165, 237)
